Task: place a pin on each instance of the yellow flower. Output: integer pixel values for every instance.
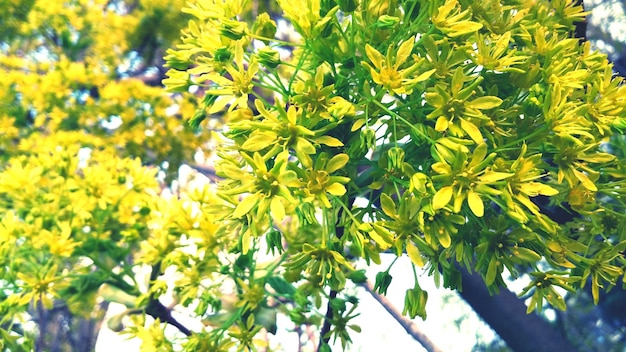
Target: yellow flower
(305, 16)
(498, 56)
(467, 180)
(453, 22)
(281, 130)
(522, 186)
(311, 92)
(387, 72)
(40, 285)
(319, 181)
(453, 111)
(59, 244)
(573, 159)
(237, 87)
(267, 189)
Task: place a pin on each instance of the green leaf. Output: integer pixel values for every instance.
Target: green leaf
(355, 327)
(358, 276)
(492, 271)
(526, 254)
(281, 286)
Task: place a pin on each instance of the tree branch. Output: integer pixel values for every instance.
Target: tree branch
(157, 310)
(506, 314)
(409, 326)
(327, 321)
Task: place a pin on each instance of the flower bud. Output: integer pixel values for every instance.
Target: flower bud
(269, 57)
(232, 29)
(358, 276)
(386, 22)
(340, 107)
(324, 347)
(396, 158)
(264, 27)
(368, 137)
(347, 5)
(222, 55)
(338, 304)
(274, 241)
(383, 280)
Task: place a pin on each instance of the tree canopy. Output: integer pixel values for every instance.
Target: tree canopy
(468, 136)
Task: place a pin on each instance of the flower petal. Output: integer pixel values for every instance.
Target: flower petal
(388, 205)
(329, 141)
(375, 57)
(414, 254)
(336, 189)
(277, 209)
(403, 52)
(475, 203)
(472, 131)
(337, 162)
(442, 124)
(246, 204)
(442, 197)
(484, 103)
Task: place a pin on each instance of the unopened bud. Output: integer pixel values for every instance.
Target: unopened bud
(396, 158)
(386, 22)
(222, 55)
(347, 5)
(264, 27)
(232, 29)
(269, 57)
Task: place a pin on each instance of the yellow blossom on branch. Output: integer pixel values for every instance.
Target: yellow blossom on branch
(386, 70)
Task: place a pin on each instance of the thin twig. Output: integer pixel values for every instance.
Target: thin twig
(324, 334)
(408, 325)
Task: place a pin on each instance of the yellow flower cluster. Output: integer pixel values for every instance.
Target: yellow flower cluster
(449, 120)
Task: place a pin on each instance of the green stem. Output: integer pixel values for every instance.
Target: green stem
(410, 125)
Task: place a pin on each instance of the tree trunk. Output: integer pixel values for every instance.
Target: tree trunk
(60, 330)
(506, 314)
